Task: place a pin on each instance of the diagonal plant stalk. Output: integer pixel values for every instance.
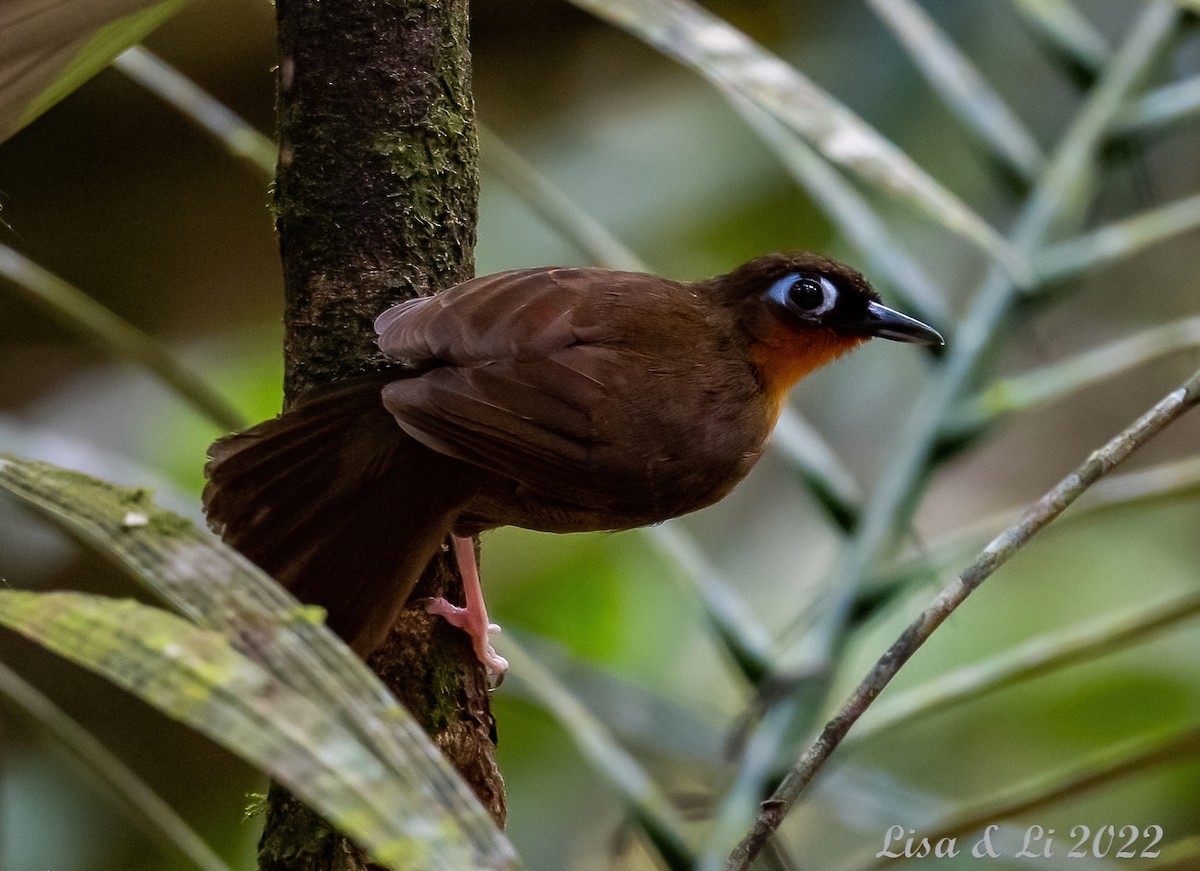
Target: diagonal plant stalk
(742, 69)
(1117, 240)
(739, 630)
(641, 797)
(1041, 655)
(1164, 481)
(555, 208)
(124, 787)
(1164, 107)
(1067, 31)
(80, 313)
(833, 484)
(1000, 550)
(806, 661)
(1062, 377)
(231, 130)
(962, 87)
(1050, 382)
(1131, 758)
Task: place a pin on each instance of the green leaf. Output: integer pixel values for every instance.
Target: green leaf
(644, 800)
(742, 69)
(961, 86)
(197, 677)
(1118, 240)
(47, 50)
(119, 783)
(220, 590)
(1067, 32)
(81, 314)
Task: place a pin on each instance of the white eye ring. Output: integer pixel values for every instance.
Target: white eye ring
(781, 292)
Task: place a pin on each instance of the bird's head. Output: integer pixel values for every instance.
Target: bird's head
(800, 311)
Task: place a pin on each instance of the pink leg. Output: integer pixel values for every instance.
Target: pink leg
(472, 619)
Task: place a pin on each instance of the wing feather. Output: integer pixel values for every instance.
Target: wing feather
(540, 376)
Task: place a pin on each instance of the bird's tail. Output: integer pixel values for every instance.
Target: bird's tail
(337, 503)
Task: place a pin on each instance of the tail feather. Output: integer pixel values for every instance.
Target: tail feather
(337, 503)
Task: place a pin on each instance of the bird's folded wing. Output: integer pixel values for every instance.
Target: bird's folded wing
(543, 423)
(525, 314)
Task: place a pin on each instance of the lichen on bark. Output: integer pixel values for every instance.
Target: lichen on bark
(377, 182)
(375, 201)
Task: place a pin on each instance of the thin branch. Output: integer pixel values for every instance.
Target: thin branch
(77, 311)
(999, 551)
(144, 806)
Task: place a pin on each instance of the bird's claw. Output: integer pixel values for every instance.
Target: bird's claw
(479, 630)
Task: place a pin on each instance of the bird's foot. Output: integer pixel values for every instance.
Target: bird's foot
(476, 625)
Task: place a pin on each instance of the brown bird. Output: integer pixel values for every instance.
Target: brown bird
(563, 400)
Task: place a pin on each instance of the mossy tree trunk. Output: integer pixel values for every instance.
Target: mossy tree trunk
(376, 195)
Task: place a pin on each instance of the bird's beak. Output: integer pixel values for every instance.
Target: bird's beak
(886, 323)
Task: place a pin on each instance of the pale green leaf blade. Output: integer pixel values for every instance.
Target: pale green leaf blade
(961, 86)
(648, 804)
(1168, 106)
(1118, 240)
(81, 314)
(740, 68)
(1067, 31)
(555, 208)
(47, 50)
(1040, 655)
(157, 819)
(218, 588)
(195, 676)
(1063, 377)
(737, 629)
(198, 106)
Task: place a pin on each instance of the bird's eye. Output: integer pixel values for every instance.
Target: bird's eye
(804, 294)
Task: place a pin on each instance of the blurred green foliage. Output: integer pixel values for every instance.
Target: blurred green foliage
(121, 196)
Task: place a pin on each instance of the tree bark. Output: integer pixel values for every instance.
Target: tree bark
(376, 196)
